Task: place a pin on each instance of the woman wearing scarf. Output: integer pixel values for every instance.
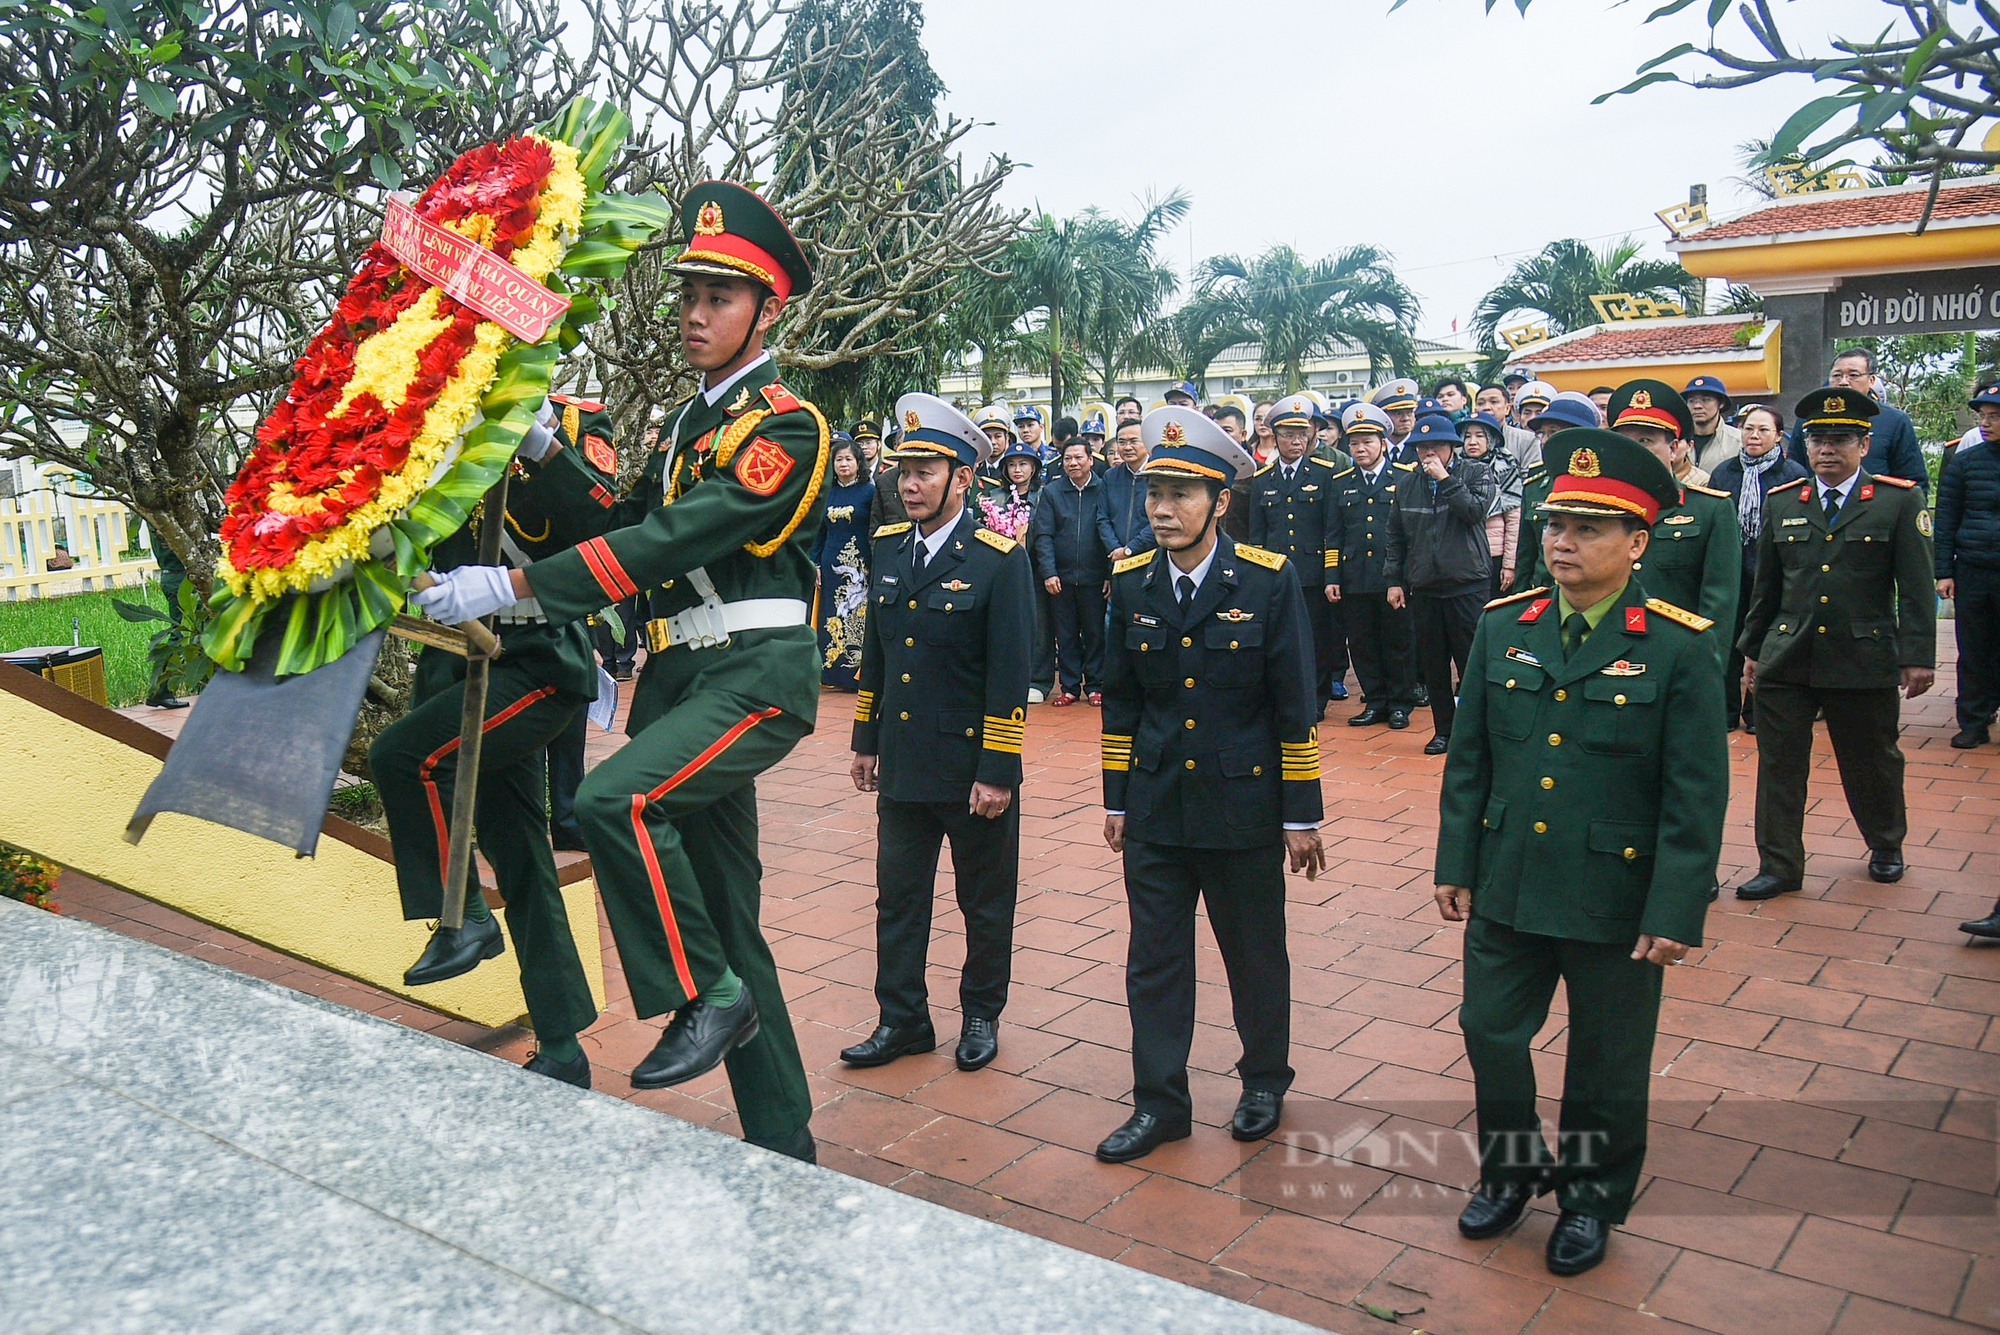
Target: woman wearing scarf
(1761, 469)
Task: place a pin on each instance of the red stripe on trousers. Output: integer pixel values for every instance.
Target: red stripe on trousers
(651, 859)
(431, 763)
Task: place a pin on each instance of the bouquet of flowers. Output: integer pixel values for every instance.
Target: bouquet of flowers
(1006, 514)
(413, 398)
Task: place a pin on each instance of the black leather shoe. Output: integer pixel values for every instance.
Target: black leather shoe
(1140, 1136)
(175, 702)
(1399, 719)
(1988, 926)
(1257, 1114)
(886, 1044)
(1368, 717)
(570, 1073)
(565, 842)
(1423, 697)
(1885, 864)
(1766, 886)
(977, 1045)
(799, 1145)
(696, 1041)
(1969, 738)
(1495, 1209)
(1577, 1243)
(457, 950)
(1437, 745)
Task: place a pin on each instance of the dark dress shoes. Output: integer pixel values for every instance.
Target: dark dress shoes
(1257, 1114)
(456, 950)
(1140, 1136)
(1988, 926)
(1576, 1243)
(175, 702)
(799, 1145)
(1969, 738)
(886, 1044)
(1437, 745)
(1885, 864)
(696, 1041)
(1497, 1207)
(1368, 717)
(1766, 886)
(1423, 694)
(570, 1073)
(978, 1045)
(1399, 719)
(564, 841)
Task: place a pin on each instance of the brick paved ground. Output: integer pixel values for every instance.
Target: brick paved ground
(1823, 1152)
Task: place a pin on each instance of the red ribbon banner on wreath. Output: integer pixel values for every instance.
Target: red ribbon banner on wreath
(470, 273)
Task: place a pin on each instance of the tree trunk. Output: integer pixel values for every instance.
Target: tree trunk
(1055, 364)
(1294, 377)
(992, 374)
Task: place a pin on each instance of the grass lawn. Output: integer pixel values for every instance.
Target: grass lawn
(32, 621)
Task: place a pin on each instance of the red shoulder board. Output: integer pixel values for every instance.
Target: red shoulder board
(572, 401)
(598, 450)
(1894, 481)
(1867, 492)
(1635, 620)
(1535, 609)
(761, 466)
(782, 400)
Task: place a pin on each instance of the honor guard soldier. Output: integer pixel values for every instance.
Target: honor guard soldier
(1843, 620)
(545, 677)
(937, 734)
(1581, 819)
(1398, 399)
(1378, 635)
(1211, 779)
(718, 529)
(1292, 513)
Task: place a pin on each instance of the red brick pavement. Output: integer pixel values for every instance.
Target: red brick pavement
(1823, 1149)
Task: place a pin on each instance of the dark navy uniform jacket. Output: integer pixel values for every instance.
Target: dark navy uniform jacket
(944, 663)
(1210, 718)
(1294, 517)
(1358, 534)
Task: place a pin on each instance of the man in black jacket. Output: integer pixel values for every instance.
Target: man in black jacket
(1378, 634)
(1072, 559)
(1439, 563)
(1968, 568)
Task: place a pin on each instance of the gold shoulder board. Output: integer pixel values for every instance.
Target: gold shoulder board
(1706, 491)
(994, 540)
(1257, 556)
(1903, 482)
(1265, 469)
(1343, 472)
(1787, 486)
(1407, 468)
(1516, 597)
(891, 530)
(1134, 562)
(1692, 620)
(1323, 463)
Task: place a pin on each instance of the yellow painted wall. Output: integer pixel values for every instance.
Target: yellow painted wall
(1763, 258)
(66, 792)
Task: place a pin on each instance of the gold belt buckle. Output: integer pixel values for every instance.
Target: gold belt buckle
(659, 636)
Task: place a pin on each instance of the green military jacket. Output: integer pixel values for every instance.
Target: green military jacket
(1582, 795)
(1528, 567)
(1847, 606)
(739, 503)
(1695, 559)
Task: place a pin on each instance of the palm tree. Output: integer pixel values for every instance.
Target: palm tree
(1558, 282)
(1186, 341)
(1299, 310)
(1053, 273)
(1131, 285)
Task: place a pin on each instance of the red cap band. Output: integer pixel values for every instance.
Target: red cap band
(746, 257)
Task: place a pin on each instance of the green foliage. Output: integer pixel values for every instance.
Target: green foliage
(127, 645)
(178, 664)
(1299, 310)
(358, 802)
(1558, 282)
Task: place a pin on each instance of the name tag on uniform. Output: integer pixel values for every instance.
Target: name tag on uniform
(1789, 522)
(888, 579)
(1141, 619)
(1523, 656)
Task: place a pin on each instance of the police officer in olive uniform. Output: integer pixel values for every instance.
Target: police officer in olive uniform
(1842, 620)
(540, 684)
(937, 733)
(1292, 513)
(1211, 778)
(1581, 820)
(718, 529)
(1378, 635)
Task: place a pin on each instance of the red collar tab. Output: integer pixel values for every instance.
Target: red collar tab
(1806, 495)
(1535, 610)
(1635, 620)
(782, 400)
(1867, 491)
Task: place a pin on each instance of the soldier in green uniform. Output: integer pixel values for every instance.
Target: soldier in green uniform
(545, 675)
(1560, 415)
(718, 530)
(1581, 822)
(1843, 620)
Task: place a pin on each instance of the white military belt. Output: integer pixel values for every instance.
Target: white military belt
(712, 621)
(528, 611)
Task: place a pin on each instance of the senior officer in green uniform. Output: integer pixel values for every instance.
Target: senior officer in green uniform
(1580, 826)
(718, 531)
(545, 676)
(937, 734)
(1211, 779)
(1561, 414)
(1292, 512)
(1843, 620)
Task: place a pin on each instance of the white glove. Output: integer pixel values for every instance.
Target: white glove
(541, 436)
(466, 594)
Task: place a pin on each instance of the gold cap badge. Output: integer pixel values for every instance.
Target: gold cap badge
(1584, 463)
(910, 420)
(709, 221)
(1640, 399)
(1173, 434)
(1832, 405)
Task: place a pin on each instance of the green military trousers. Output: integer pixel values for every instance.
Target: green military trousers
(1614, 1007)
(415, 763)
(671, 823)
(1865, 727)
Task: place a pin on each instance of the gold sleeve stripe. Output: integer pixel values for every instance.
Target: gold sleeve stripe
(864, 707)
(1005, 748)
(1117, 752)
(1332, 557)
(1000, 734)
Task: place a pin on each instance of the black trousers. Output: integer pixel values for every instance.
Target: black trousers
(985, 863)
(1079, 617)
(614, 654)
(565, 773)
(1738, 706)
(1329, 643)
(1864, 726)
(1245, 893)
(1978, 628)
(1444, 624)
(1378, 635)
(1043, 675)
